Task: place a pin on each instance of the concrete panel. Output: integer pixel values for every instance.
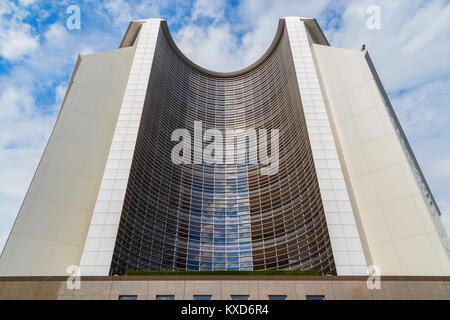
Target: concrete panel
(106, 217)
(314, 288)
(127, 288)
(51, 226)
(331, 287)
(276, 288)
(93, 290)
(167, 288)
(239, 288)
(211, 288)
(330, 175)
(351, 290)
(388, 192)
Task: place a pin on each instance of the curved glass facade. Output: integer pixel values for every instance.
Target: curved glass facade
(220, 216)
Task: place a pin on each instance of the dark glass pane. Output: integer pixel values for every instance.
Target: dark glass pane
(239, 297)
(202, 297)
(165, 297)
(315, 297)
(277, 297)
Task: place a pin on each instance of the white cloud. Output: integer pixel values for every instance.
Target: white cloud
(424, 109)
(122, 12)
(16, 38)
(56, 33)
(218, 46)
(60, 93)
(26, 2)
(428, 30)
(14, 44)
(208, 9)
(217, 43)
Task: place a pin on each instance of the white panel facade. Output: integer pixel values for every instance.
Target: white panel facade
(101, 238)
(49, 232)
(385, 190)
(345, 240)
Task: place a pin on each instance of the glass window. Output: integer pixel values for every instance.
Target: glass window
(239, 297)
(315, 297)
(202, 297)
(277, 297)
(127, 297)
(165, 297)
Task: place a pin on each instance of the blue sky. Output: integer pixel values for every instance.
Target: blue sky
(38, 53)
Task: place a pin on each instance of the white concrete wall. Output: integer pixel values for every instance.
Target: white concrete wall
(49, 232)
(101, 238)
(345, 239)
(389, 206)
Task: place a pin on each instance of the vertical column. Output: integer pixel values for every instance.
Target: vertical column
(101, 238)
(345, 241)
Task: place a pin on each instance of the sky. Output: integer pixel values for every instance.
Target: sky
(410, 49)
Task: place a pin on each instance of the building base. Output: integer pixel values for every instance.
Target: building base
(224, 287)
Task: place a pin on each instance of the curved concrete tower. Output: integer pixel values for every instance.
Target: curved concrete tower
(336, 188)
